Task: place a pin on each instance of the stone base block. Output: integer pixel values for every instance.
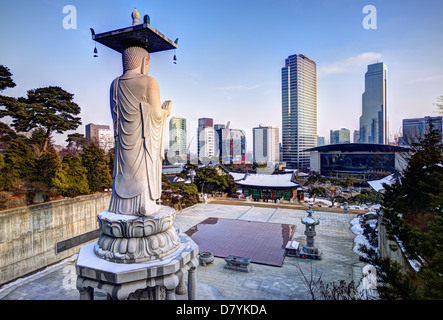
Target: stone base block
(238, 263)
(155, 280)
(309, 253)
(239, 268)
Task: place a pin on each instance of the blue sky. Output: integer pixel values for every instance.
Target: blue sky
(231, 53)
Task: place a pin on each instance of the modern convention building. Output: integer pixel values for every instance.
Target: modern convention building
(358, 159)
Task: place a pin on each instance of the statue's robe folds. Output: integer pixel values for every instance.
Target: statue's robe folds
(139, 143)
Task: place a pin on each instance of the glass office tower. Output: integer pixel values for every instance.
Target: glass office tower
(374, 126)
(299, 110)
(340, 136)
(415, 129)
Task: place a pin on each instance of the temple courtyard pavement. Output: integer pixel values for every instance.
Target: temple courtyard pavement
(264, 282)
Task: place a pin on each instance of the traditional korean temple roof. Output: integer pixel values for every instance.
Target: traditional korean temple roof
(284, 180)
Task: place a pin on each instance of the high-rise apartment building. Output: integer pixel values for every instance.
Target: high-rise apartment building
(231, 144)
(92, 133)
(266, 147)
(177, 138)
(206, 143)
(237, 145)
(223, 150)
(340, 136)
(299, 110)
(415, 129)
(374, 124)
(101, 135)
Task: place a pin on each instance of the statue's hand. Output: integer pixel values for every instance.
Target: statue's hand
(167, 106)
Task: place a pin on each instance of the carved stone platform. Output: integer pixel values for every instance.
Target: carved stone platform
(138, 258)
(133, 239)
(151, 280)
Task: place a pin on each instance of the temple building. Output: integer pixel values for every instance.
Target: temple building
(266, 187)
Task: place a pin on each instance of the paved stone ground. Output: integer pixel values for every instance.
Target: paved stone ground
(334, 238)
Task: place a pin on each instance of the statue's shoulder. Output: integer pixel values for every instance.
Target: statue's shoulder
(114, 82)
(150, 82)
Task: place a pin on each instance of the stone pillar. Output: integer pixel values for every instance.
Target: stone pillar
(170, 294)
(181, 288)
(192, 284)
(87, 293)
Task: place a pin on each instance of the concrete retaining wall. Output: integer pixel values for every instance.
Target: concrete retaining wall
(390, 249)
(28, 235)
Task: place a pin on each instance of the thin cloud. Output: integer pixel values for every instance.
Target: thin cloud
(427, 79)
(239, 88)
(350, 64)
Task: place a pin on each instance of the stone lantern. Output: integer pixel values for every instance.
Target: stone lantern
(309, 250)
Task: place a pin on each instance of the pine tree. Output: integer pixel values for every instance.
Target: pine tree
(50, 171)
(19, 162)
(76, 143)
(38, 139)
(6, 78)
(413, 215)
(7, 135)
(76, 176)
(51, 108)
(96, 164)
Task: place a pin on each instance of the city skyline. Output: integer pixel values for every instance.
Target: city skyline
(230, 54)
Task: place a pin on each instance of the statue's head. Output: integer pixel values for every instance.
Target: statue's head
(135, 58)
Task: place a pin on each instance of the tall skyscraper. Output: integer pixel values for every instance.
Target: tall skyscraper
(266, 147)
(205, 138)
(299, 110)
(177, 138)
(340, 136)
(374, 125)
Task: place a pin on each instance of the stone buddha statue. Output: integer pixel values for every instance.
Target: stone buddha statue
(139, 121)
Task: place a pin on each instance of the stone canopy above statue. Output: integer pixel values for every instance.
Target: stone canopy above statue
(143, 35)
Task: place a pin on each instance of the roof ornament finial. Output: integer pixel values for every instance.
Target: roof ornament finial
(135, 17)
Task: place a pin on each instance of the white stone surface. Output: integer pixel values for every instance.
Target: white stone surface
(90, 266)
